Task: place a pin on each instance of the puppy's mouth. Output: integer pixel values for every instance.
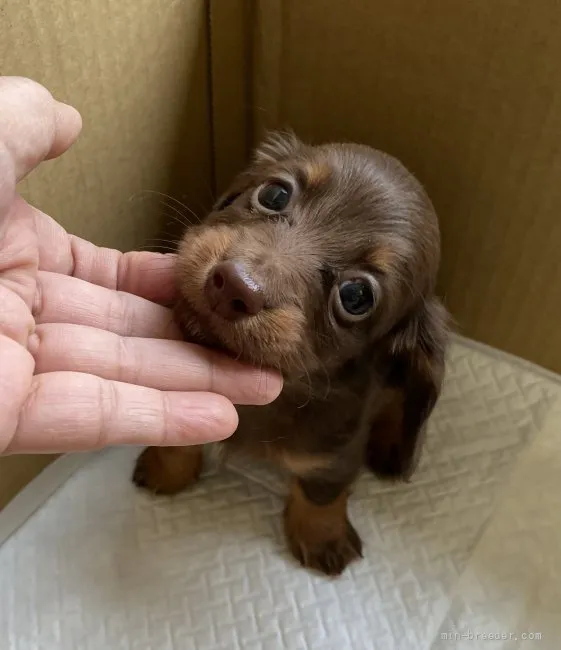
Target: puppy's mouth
(225, 305)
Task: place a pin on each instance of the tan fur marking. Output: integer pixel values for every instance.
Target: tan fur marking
(198, 253)
(313, 524)
(383, 258)
(303, 464)
(168, 470)
(204, 249)
(320, 536)
(279, 331)
(285, 326)
(317, 173)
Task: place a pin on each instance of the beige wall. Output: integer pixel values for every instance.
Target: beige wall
(468, 95)
(137, 71)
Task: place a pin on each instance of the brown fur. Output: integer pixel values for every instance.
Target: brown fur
(355, 391)
(320, 537)
(168, 470)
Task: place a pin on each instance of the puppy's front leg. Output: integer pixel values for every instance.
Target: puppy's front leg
(168, 470)
(319, 533)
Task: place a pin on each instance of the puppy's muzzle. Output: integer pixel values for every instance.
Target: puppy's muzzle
(232, 292)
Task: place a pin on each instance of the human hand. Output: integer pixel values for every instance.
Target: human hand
(88, 357)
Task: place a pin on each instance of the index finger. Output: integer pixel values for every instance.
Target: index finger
(154, 363)
(68, 411)
(144, 274)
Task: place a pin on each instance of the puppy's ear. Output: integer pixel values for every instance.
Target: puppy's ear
(414, 370)
(276, 146)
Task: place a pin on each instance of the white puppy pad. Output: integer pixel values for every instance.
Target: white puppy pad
(472, 546)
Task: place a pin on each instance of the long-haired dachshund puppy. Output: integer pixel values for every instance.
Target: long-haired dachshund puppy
(319, 261)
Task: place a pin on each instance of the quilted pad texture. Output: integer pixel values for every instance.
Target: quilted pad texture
(468, 555)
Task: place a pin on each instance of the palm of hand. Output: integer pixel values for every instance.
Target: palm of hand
(88, 354)
(19, 260)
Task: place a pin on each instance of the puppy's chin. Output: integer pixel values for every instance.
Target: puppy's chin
(273, 340)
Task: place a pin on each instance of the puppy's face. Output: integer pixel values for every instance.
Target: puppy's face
(311, 255)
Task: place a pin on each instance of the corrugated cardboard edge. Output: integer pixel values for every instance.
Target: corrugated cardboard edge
(231, 55)
(246, 59)
(268, 32)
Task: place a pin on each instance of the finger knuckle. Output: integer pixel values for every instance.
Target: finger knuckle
(109, 410)
(129, 364)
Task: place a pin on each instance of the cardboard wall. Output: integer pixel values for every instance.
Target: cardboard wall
(138, 72)
(468, 95)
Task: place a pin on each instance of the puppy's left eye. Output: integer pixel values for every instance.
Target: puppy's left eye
(274, 196)
(356, 297)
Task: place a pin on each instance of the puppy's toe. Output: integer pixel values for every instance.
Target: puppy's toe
(167, 470)
(139, 474)
(330, 555)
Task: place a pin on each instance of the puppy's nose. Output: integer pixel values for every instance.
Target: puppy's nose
(232, 292)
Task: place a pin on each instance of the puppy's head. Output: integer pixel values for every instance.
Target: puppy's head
(313, 254)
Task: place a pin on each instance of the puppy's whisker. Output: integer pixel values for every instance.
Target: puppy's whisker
(173, 200)
(178, 217)
(309, 383)
(327, 374)
(162, 240)
(261, 366)
(156, 247)
(182, 221)
(173, 233)
(266, 442)
(202, 207)
(172, 320)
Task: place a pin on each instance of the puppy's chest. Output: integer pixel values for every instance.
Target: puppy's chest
(295, 429)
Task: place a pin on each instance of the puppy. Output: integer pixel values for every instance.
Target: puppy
(319, 261)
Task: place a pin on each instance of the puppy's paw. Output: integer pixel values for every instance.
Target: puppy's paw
(168, 470)
(320, 536)
(329, 555)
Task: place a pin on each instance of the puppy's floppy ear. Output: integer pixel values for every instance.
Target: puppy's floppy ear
(414, 371)
(276, 146)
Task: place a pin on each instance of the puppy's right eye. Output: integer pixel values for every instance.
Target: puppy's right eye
(274, 197)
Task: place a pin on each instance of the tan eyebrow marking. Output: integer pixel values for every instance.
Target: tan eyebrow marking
(389, 254)
(316, 173)
(383, 258)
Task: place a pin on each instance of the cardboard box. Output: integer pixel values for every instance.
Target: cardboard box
(173, 94)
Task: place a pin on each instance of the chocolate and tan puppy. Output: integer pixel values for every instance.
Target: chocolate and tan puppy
(319, 261)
